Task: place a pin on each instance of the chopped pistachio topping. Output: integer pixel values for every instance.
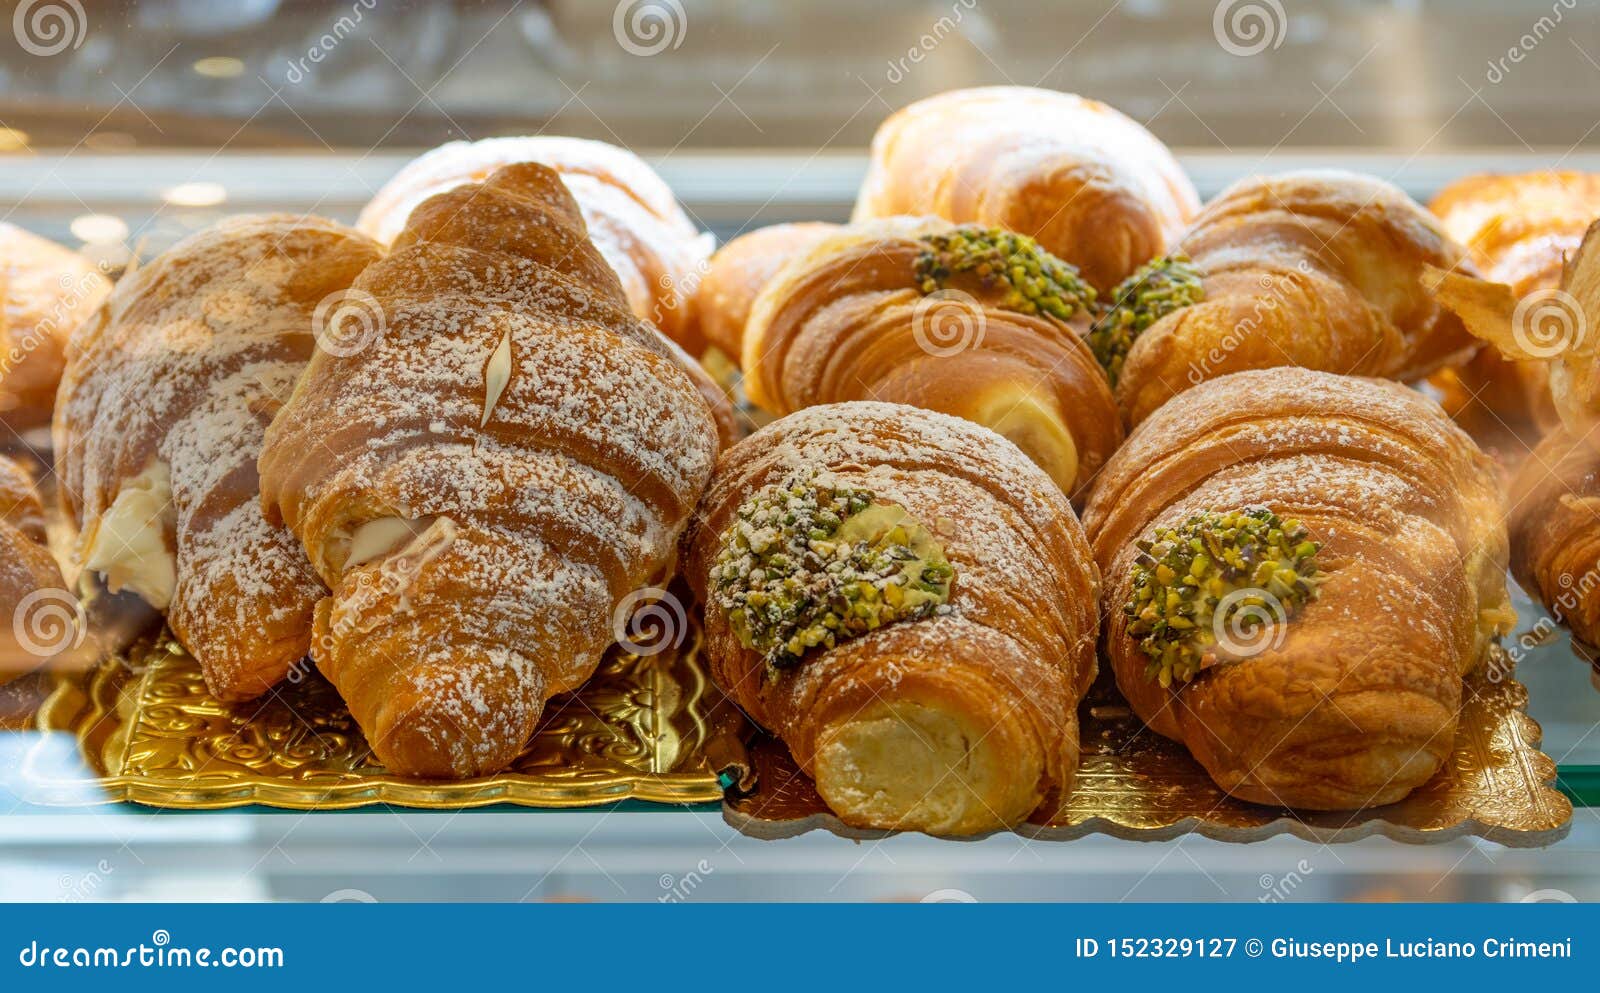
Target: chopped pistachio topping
(1159, 287)
(1034, 280)
(1184, 577)
(807, 565)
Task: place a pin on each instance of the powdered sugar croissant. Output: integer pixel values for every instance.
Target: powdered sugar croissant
(1300, 568)
(167, 392)
(1091, 184)
(632, 216)
(976, 322)
(910, 604)
(483, 484)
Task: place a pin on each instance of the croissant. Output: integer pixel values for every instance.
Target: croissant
(632, 216)
(1554, 530)
(42, 614)
(1520, 230)
(975, 322)
(1315, 269)
(483, 484)
(909, 604)
(47, 291)
(1092, 185)
(167, 392)
(737, 273)
(1300, 568)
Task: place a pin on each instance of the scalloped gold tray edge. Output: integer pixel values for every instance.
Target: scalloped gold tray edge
(105, 710)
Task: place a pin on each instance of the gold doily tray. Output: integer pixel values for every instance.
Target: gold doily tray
(1134, 784)
(644, 727)
(654, 728)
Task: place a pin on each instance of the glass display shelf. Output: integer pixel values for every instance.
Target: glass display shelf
(638, 851)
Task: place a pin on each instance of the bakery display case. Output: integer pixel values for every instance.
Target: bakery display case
(676, 451)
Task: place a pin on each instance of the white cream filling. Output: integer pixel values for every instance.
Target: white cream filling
(379, 538)
(496, 374)
(130, 545)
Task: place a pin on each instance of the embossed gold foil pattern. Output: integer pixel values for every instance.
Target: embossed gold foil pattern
(1133, 783)
(645, 727)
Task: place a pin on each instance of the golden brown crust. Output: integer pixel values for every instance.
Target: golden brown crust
(1520, 230)
(847, 321)
(737, 273)
(1555, 530)
(1352, 700)
(631, 214)
(1091, 184)
(46, 292)
(35, 608)
(1007, 665)
(540, 447)
(182, 368)
(1314, 269)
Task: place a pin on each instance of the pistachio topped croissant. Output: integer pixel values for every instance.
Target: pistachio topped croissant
(977, 322)
(1300, 568)
(908, 603)
(1318, 269)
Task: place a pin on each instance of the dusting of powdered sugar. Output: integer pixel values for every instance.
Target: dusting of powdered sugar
(184, 366)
